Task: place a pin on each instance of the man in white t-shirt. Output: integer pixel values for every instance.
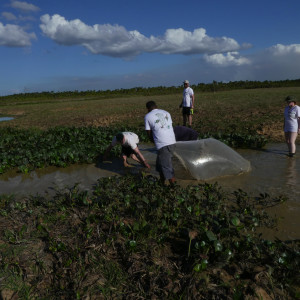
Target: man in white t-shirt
(158, 125)
(129, 142)
(187, 103)
(291, 124)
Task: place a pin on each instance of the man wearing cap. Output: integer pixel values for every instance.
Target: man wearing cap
(187, 103)
(129, 142)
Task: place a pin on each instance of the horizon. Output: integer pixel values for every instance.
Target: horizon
(175, 87)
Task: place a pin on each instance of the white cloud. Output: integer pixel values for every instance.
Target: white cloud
(186, 42)
(281, 50)
(116, 41)
(260, 66)
(14, 36)
(8, 16)
(229, 59)
(24, 6)
(265, 65)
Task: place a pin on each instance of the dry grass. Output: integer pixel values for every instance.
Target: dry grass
(257, 109)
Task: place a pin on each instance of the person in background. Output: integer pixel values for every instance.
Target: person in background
(183, 133)
(129, 142)
(158, 125)
(291, 125)
(187, 103)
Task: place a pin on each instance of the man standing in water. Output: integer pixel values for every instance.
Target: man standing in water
(187, 103)
(291, 124)
(158, 125)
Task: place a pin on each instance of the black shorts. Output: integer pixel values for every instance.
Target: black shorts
(186, 111)
(127, 151)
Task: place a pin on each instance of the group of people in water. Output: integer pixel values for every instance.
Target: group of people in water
(160, 130)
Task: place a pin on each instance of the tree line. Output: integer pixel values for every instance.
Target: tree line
(214, 86)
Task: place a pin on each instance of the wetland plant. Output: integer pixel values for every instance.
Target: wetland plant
(133, 238)
(26, 150)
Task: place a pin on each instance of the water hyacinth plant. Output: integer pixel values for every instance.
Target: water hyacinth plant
(60, 146)
(133, 238)
(29, 149)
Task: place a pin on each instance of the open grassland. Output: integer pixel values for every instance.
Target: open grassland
(253, 110)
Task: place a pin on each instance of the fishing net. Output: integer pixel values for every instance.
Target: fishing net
(209, 158)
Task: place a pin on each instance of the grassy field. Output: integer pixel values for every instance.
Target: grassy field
(259, 110)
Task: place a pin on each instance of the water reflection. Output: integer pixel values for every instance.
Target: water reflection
(292, 174)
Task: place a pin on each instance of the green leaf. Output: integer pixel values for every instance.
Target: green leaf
(211, 235)
(235, 221)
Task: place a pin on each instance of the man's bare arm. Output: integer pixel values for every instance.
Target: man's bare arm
(141, 157)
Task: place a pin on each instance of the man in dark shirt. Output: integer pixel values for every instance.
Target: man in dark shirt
(183, 133)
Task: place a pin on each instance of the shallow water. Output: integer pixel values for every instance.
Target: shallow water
(272, 172)
(6, 119)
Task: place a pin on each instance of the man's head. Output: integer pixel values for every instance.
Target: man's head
(291, 101)
(186, 83)
(151, 105)
(120, 137)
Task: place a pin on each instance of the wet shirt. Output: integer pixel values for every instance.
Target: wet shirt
(160, 122)
(187, 97)
(291, 115)
(131, 140)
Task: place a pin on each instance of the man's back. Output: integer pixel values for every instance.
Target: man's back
(159, 122)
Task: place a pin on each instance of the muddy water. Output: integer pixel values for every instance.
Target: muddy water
(272, 172)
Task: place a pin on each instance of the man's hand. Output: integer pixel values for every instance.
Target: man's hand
(147, 165)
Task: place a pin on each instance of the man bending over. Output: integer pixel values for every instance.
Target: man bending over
(129, 142)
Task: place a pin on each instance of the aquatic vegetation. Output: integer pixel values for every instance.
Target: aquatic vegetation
(29, 149)
(133, 238)
(60, 146)
(239, 140)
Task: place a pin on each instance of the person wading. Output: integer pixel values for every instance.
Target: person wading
(291, 125)
(158, 125)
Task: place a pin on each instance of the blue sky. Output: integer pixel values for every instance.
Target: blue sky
(65, 45)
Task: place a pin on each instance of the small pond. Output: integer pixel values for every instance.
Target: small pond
(6, 119)
(272, 172)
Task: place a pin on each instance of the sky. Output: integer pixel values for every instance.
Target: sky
(67, 45)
